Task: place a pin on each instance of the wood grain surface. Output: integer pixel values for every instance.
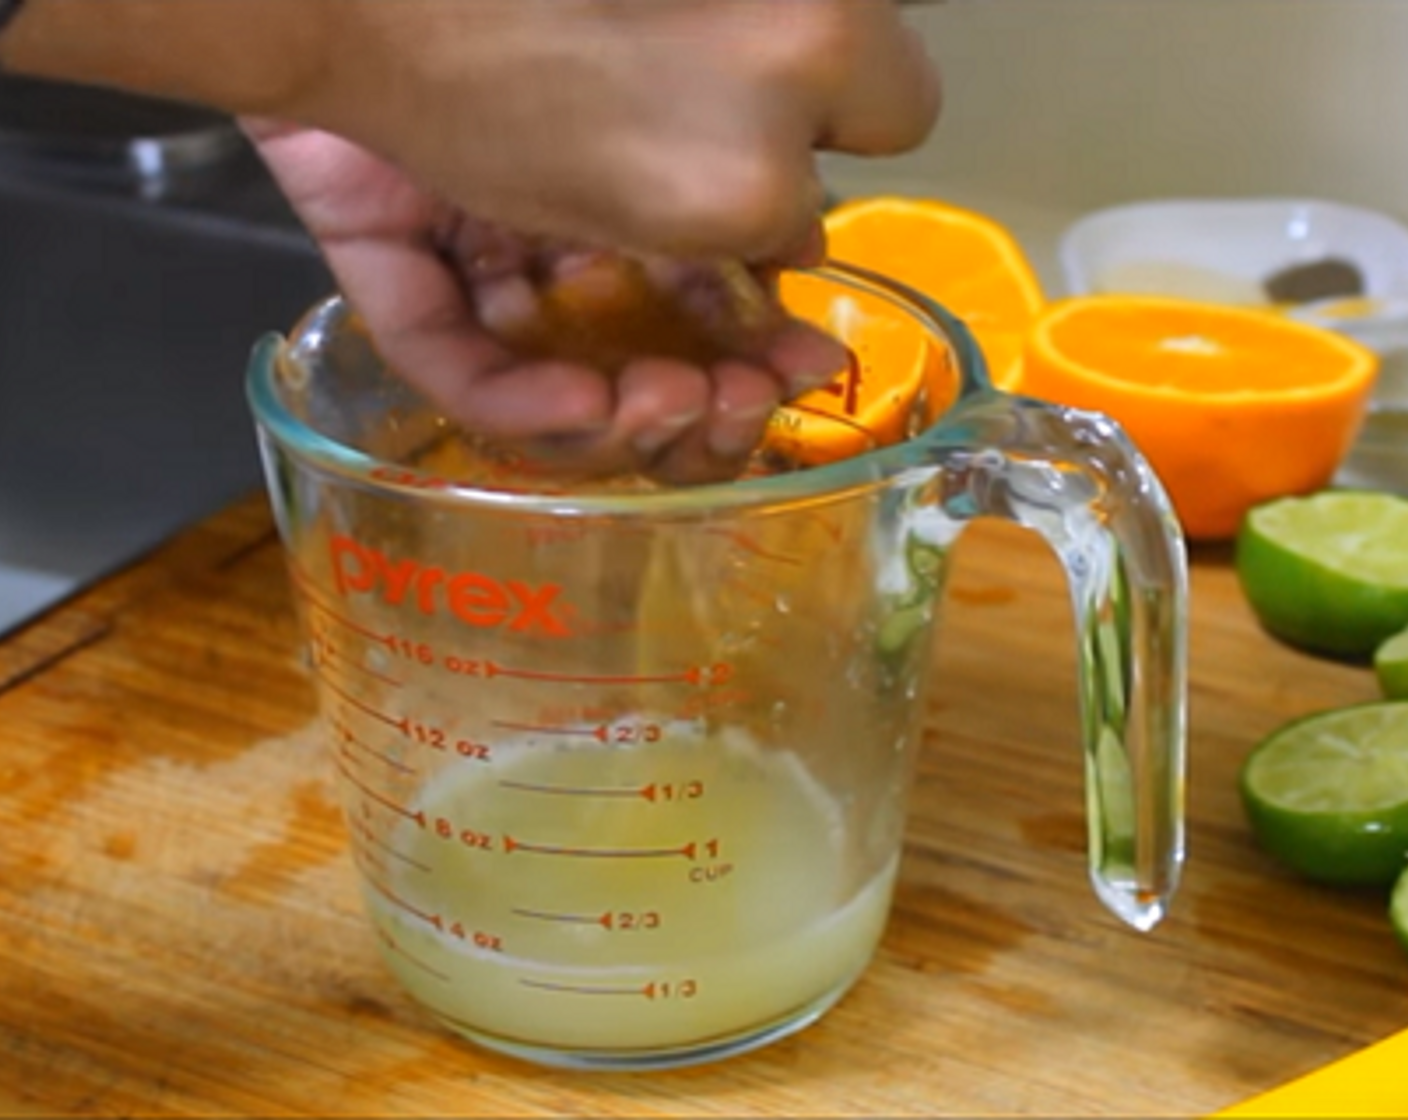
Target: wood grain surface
(181, 932)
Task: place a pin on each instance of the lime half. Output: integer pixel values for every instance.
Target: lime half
(1328, 794)
(1398, 909)
(1391, 665)
(1329, 572)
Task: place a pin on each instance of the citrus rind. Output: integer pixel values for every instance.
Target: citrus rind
(1327, 794)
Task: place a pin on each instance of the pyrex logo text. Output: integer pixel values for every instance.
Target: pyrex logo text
(473, 597)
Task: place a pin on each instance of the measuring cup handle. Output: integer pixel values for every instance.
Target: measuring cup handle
(1076, 479)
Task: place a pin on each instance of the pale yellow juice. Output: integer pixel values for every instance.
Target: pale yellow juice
(612, 899)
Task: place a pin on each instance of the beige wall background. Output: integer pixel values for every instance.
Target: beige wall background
(1073, 104)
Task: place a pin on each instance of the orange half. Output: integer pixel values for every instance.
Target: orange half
(965, 261)
(899, 378)
(1232, 406)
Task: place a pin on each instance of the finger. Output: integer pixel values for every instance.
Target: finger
(427, 331)
(658, 399)
(806, 250)
(508, 307)
(716, 450)
(689, 462)
(803, 357)
(483, 251)
(891, 95)
(544, 398)
(745, 397)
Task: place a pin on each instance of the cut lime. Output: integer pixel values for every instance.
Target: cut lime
(1391, 665)
(1329, 572)
(1398, 909)
(1328, 794)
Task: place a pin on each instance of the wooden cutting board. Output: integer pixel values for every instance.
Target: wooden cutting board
(181, 931)
(1371, 1082)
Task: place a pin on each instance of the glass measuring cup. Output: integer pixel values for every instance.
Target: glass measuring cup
(625, 768)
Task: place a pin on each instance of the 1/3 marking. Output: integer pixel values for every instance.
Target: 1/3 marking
(673, 791)
(671, 989)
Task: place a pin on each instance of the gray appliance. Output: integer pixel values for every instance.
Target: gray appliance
(142, 252)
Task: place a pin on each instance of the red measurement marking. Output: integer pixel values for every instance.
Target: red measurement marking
(747, 544)
(344, 735)
(602, 732)
(825, 523)
(581, 989)
(396, 900)
(695, 674)
(395, 946)
(545, 729)
(689, 851)
(683, 989)
(415, 480)
(364, 830)
(673, 791)
(625, 921)
(364, 858)
(381, 799)
(574, 791)
(312, 598)
(361, 705)
(747, 590)
(327, 651)
(603, 920)
(652, 792)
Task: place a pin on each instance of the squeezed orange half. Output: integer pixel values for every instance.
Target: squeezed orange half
(963, 260)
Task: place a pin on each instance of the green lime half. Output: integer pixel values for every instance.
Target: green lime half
(1391, 665)
(1328, 794)
(1329, 572)
(1398, 909)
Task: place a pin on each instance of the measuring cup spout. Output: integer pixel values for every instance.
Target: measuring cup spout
(1075, 479)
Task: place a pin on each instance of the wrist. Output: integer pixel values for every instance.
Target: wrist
(249, 56)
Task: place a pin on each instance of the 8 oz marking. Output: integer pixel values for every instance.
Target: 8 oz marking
(470, 838)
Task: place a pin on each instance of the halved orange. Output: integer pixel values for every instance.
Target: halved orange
(1232, 406)
(965, 261)
(899, 376)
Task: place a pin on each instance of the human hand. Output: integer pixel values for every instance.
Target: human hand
(588, 360)
(675, 129)
(682, 130)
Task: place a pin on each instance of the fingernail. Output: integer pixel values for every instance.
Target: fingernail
(805, 357)
(506, 305)
(741, 433)
(663, 431)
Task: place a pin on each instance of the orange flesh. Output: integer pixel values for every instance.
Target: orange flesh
(1192, 351)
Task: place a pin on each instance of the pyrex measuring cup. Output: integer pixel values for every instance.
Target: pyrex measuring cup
(625, 767)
